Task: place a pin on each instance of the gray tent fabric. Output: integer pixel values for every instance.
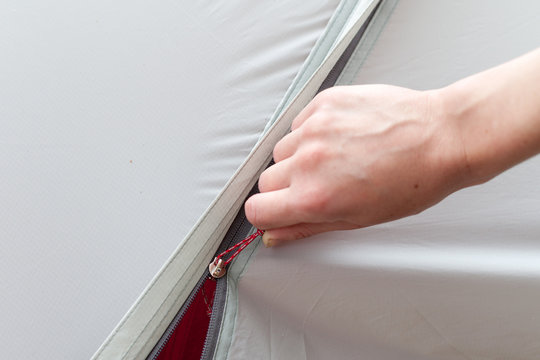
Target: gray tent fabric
(132, 132)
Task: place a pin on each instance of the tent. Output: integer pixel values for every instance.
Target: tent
(132, 133)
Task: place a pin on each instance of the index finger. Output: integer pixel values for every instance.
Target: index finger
(271, 210)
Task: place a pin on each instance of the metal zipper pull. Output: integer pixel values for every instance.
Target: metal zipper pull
(217, 268)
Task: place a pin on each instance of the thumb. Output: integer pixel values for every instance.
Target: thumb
(275, 237)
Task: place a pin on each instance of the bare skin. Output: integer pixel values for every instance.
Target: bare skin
(363, 155)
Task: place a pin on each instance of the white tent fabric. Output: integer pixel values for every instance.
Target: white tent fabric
(120, 124)
(459, 281)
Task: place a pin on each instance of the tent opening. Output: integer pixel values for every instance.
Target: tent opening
(187, 339)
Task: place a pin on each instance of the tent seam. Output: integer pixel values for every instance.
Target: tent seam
(168, 312)
(129, 313)
(204, 217)
(366, 42)
(309, 61)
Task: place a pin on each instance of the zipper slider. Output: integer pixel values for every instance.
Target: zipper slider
(217, 268)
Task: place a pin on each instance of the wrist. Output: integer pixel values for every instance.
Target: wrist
(476, 133)
(451, 151)
(495, 116)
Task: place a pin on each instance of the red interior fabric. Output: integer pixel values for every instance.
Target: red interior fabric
(187, 341)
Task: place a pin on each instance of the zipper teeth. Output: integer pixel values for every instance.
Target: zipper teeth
(335, 72)
(211, 334)
(230, 239)
(220, 295)
(178, 318)
(226, 243)
(221, 286)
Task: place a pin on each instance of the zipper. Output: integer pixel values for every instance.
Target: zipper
(220, 296)
(177, 319)
(239, 228)
(242, 229)
(218, 267)
(237, 232)
(335, 72)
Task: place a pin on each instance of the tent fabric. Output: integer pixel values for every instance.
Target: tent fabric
(143, 325)
(127, 127)
(121, 123)
(459, 281)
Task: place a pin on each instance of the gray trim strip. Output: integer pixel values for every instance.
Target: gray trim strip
(334, 74)
(362, 50)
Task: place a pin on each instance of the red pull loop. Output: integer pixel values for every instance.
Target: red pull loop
(217, 267)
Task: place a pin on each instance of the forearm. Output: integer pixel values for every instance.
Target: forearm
(497, 115)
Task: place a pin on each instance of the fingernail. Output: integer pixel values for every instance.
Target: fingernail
(267, 241)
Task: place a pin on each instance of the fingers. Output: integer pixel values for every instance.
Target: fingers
(272, 207)
(299, 231)
(276, 177)
(272, 210)
(286, 147)
(325, 97)
(304, 115)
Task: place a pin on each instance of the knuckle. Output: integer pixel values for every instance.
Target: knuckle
(322, 118)
(317, 125)
(301, 232)
(309, 131)
(313, 155)
(314, 200)
(328, 97)
(318, 152)
(314, 127)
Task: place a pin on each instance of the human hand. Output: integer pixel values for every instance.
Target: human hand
(358, 156)
(362, 155)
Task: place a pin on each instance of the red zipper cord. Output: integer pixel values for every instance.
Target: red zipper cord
(241, 245)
